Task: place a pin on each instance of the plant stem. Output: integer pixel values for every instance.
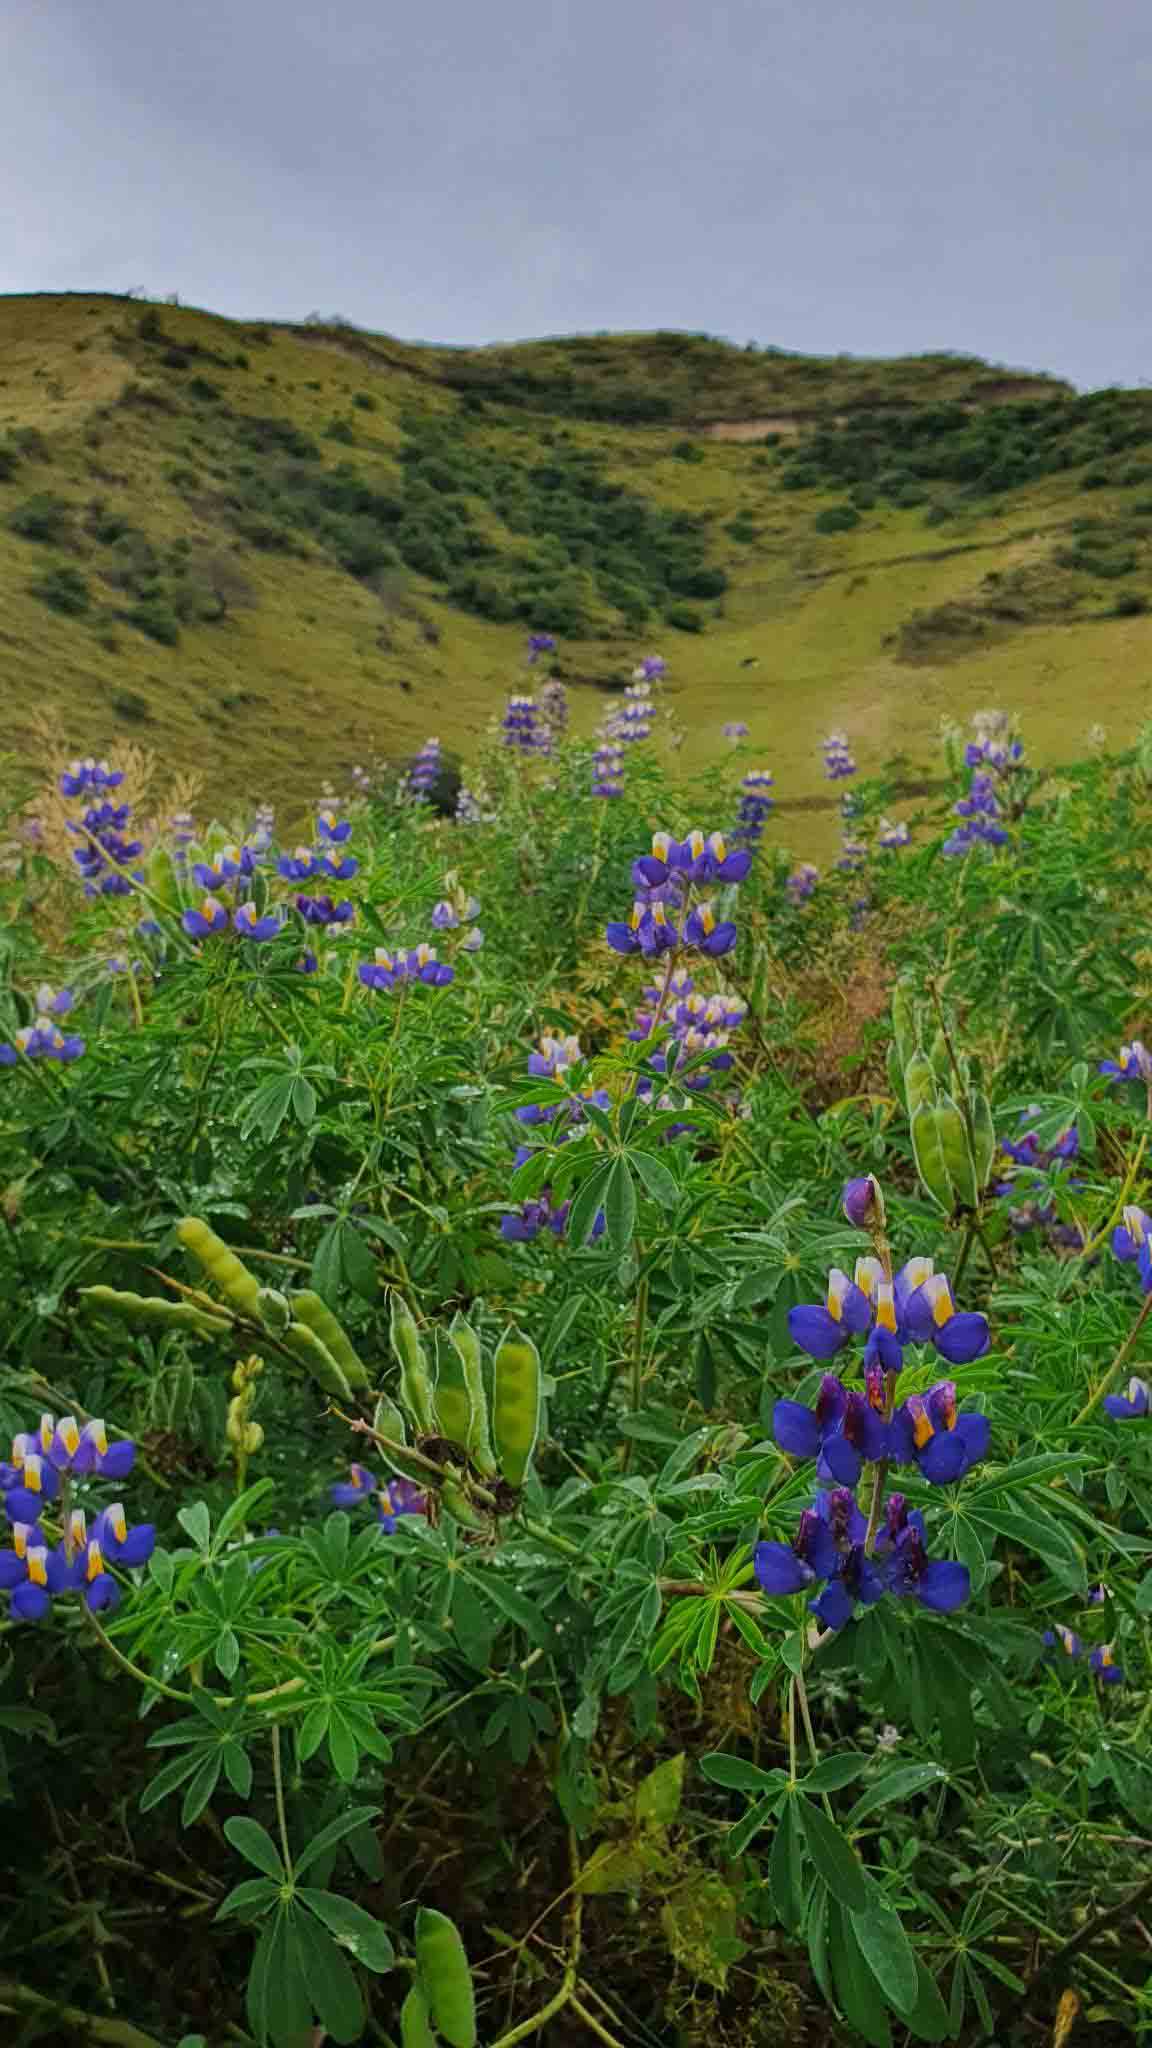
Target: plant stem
(82, 2025)
(170, 1692)
(563, 1997)
(281, 1817)
(1117, 1365)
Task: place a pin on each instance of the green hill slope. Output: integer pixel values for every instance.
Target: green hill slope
(274, 551)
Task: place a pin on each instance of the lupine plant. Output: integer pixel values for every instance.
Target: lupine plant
(548, 1490)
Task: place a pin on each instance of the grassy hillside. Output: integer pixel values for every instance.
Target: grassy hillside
(274, 551)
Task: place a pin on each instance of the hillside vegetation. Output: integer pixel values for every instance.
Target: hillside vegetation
(261, 547)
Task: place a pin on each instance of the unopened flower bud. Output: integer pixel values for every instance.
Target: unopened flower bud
(863, 1204)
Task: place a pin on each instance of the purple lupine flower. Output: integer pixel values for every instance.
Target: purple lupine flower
(538, 644)
(80, 777)
(1134, 1064)
(1132, 1407)
(754, 808)
(359, 1486)
(802, 882)
(30, 1578)
(843, 1431)
(520, 725)
(734, 729)
(125, 1546)
(838, 760)
(890, 836)
(445, 917)
(907, 1570)
(298, 866)
(386, 970)
(41, 1041)
(250, 925)
(1064, 1640)
(1132, 1243)
(917, 1308)
(929, 1432)
(929, 1315)
(425, 771)
(104, 853)
(860, 1200)
(608, 769)
(829, 1544)
(651, 669)
(1105, 1666)
(322, 911)
(472, 941)
(223, 867)
(824, 1329)
(331, 829)
(210, 918)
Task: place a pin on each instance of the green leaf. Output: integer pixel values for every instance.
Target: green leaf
(857, 1992)
(327, 1265)
(357, 1265)
(738, 1775)
(927, 2017)
(239, 1512)
(331, 1982)
(784, 1870)
(237, 1768)
(353, 1928)
(656, 1178)
(328, 1836)
(343, 1748)
(899, 1782)
(620, 1205)
(658, 1795)
(888, 1952)
(834, 1771)
(834, 1857)
(201, 1788)
(227, 1653)
(196, 1522)
(586, 1204)
(254, 1895)
(279, 2007)
(255, 1844)
(303, 1101)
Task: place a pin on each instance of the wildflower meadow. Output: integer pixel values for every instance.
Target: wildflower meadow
(576, 1402)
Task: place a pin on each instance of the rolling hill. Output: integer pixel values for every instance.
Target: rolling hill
(272, 551)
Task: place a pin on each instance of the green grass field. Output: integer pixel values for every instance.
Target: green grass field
(310, 668)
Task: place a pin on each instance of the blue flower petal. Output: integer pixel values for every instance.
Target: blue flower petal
(813, 1330)
(796, 1429)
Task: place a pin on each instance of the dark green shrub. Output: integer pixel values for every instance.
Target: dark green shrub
(43, 518)
(741, 530)
(9, 461)
(938, 515)
(698, 582)
(685, 618)
(687, 451)
(203, 387)
(1131, 604)
(240, 361)
(155, 617)
(132, 707)
(1095, 480)
(63, 589)
(836, 519)
(340, 430)
(364, 401)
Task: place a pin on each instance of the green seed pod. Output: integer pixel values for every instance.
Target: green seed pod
(459, 1506)
(938, 1054)
(919, 1082)
(984, 1137)
(415, 1379)
(163, 880)
(239, 1287)
(389, 1422)
(930, 1161)
(273, 1309)
(467, 1344)
(155, 1308)
(445, 1978)
(895, 1068)
(308, 1308)
(253, 1438)
(958, 1160)
(516, 1402)
(415, 2030)
(315, 1357)
(905, 1025)
(450, 1400)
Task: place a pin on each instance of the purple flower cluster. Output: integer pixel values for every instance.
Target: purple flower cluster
(995, 746)
(697, 1026)
(1036, 1168)
(522, 728)
(1132, 1406)
(43, 1039)
(1064, 1643)
(388, 970)
(889, 836)
(754, 807)
(1132, 1243)
(390, 1499)
(425, 771)
(551, 1061)
(608, 768)
(845, 1430)
(42, 1464)
(663, 918)
(839, 761)
(1133, 1064)
(538, 644)
(829, 1546)
(916, 1307)
(734, 730)
(105, 853)
(801, 883)
(980, 811)
(651, 669)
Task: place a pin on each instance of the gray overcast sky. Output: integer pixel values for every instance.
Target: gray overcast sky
(876, 176)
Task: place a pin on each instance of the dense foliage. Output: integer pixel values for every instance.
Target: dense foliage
(473, 1573)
